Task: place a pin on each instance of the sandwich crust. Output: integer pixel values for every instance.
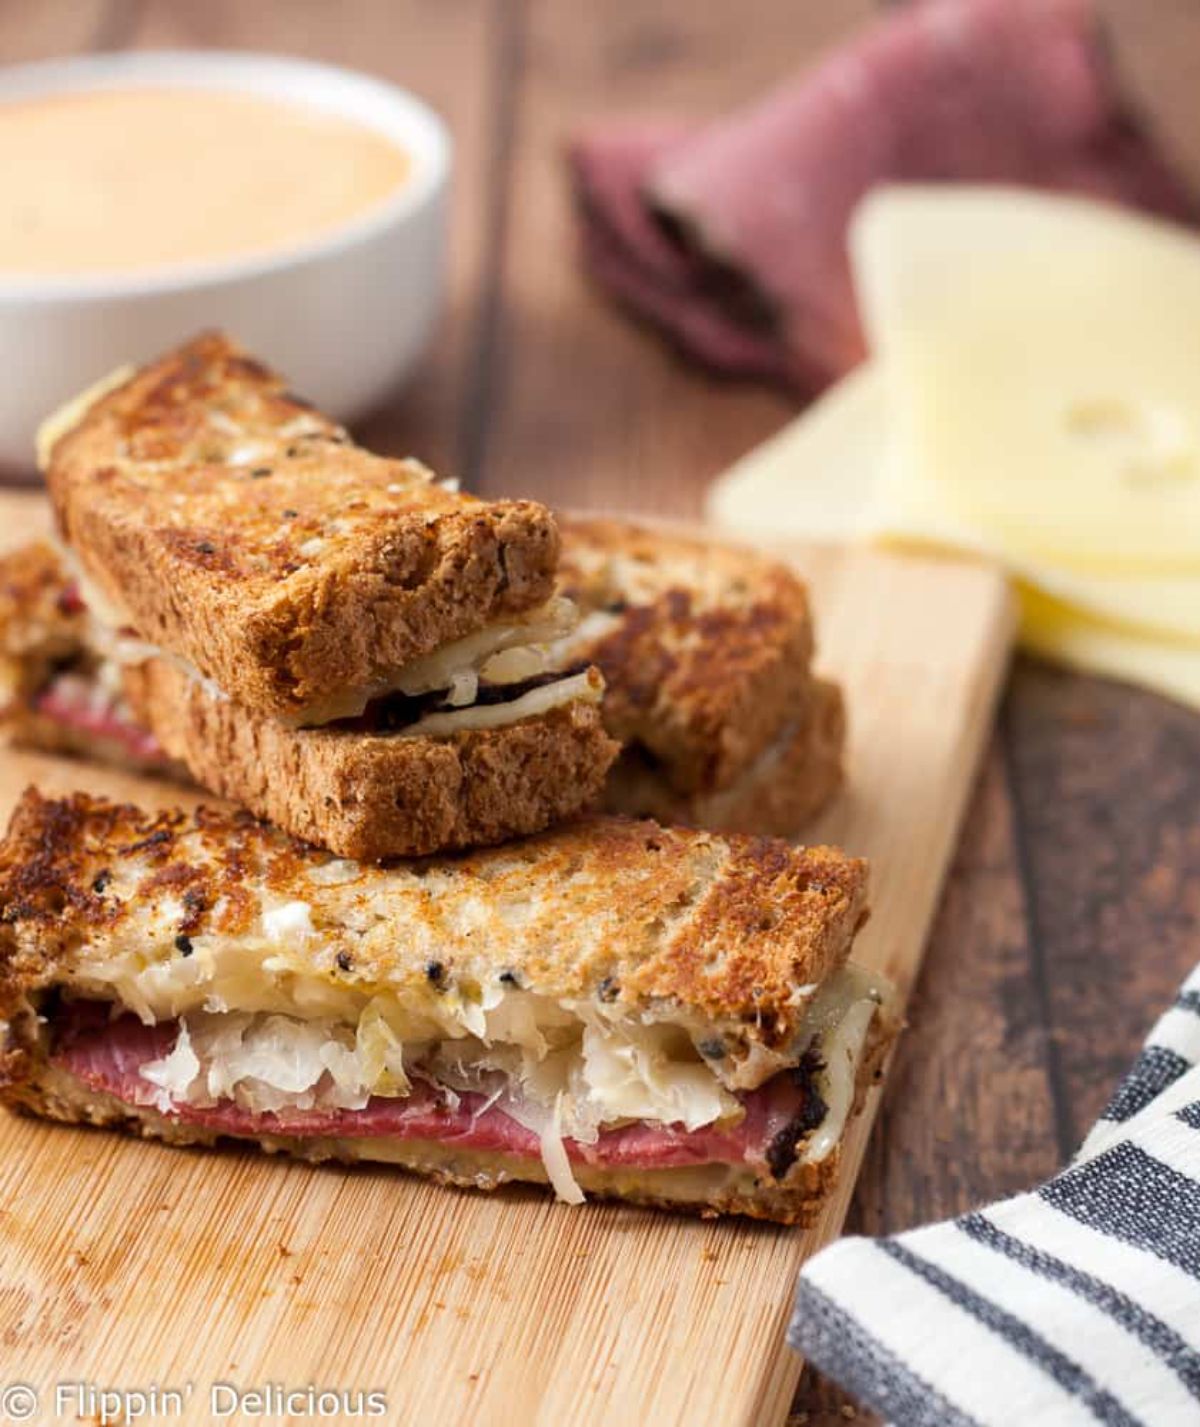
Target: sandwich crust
(705, 648)
(786, 785)
(374, 796)
(360, 795)
(41, 621)
(649, 920)
(227, 522)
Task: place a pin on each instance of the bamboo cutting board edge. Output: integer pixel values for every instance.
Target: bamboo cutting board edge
(503, 1308)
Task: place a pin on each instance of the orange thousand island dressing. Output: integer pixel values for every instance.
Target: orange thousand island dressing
(129, 180)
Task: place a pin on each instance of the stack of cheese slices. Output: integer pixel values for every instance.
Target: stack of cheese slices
(1033, 397)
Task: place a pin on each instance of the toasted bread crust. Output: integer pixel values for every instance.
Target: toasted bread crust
(786, 786)
(359, 795)
(723, 928)
(40, 620)
(709, 651)
(236, 528)
(369, 796)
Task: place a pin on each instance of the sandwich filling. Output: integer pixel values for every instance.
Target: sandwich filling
(612, 998)
(490, 679)
(502, 1072)
(92, 705)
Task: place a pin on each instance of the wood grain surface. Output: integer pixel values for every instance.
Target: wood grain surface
(1073, 905)
(479, 1310)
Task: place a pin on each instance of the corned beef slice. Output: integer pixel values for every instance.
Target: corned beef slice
(108, 1055)
(630, 253)
(733, 238)
(75, 703)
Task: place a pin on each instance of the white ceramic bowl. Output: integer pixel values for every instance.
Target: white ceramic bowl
(344, 315)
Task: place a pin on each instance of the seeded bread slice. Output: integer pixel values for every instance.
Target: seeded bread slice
(231, 525)
(375, 796)
(788, 784)
(705, 648)
(659, 924)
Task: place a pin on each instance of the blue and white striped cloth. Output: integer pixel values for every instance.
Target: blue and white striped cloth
(1078, 1303)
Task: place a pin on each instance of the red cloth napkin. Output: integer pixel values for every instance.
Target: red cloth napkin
(732, 236)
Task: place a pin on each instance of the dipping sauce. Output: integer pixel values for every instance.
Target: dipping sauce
(155, 178)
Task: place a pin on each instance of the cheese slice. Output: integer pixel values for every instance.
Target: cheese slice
(1059, 633)
(1043, 360)
(834, 474)
(818, 478)
(829, 476)
(1034, 399)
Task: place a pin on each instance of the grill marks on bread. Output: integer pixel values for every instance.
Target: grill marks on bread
(234, 526)
(707, 651)
(722, 928)
(360, 792)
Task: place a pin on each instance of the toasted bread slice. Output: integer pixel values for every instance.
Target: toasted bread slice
(229, 524)
(786, 785)
(377, 795)
(293, 777)
(705, 648)
(669, 1013)
(361, 794)
(42, 621)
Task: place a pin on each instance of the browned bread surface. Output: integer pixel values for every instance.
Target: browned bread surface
(789, 782)
(690, 923)
(360, 795)
(706, 651)
(371, 796)
(39, 620)
(233, 526)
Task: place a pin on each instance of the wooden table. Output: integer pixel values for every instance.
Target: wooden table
(1072, 911)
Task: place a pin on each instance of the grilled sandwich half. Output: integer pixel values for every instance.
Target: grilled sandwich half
(706, 650)
(340, 642)
(614, 1008)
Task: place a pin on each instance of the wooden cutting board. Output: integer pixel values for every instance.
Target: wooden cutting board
(123, 1263)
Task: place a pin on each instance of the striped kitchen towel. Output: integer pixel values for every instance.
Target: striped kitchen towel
(1077, 1303)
